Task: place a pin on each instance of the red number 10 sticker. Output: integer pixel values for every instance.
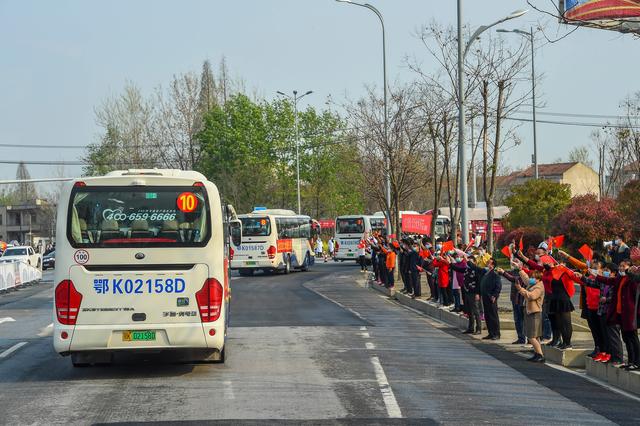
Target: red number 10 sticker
(187, 202)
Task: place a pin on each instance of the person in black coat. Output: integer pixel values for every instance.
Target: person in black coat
(413, 261)
(471, 287)
(490, 288)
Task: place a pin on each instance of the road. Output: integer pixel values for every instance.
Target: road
(309, 347)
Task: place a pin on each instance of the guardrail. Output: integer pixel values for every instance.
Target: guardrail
(15, 274)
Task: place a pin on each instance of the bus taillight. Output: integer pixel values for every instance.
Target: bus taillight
(209, 299)
(67, 301)
(271, 252)
(231, 253)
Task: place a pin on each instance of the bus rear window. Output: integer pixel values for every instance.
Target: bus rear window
(106, 216)
(350, 226)
(256, 226)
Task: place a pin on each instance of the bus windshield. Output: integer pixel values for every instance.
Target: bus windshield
(350, 226)
(256, 226)
(108, 216)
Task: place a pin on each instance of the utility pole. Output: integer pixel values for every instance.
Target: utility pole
(295, 98)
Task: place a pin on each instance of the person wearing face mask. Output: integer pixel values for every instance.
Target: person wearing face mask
(413, 275)
(403, 268)
(490, 288)
(606, 311)
(620, 251)
(482, 258)
(544, 263)
(442, 265)
(426, 257)
(517, 300)
(459, 267)
(623, 311)
(533, 293)
(589, 301)
(472, 298)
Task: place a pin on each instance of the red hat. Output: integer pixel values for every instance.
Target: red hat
(395, 244)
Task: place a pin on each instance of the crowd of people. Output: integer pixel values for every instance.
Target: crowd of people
(467, 279)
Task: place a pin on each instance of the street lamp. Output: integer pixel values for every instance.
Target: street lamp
(386, 120)
(462, 53)
(295, 98)
(531, 38)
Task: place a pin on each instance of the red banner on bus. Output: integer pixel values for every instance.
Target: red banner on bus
(285, 246)
(416, 224)
(327, 223)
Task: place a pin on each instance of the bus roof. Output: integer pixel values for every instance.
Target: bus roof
(355, 216)
(143, 175)
(273, 212)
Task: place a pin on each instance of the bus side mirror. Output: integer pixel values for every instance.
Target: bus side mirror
(236, 232)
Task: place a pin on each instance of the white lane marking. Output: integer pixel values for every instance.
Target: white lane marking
(393, 409)
(363, 328)
(228, 390)
(7, 319)
(365, 335)
(12, 349)
(369, 345)
(46, 331)
(337, 303)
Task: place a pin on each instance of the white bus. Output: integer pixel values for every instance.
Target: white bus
(350, 230)
(273, 240)
(142, 265)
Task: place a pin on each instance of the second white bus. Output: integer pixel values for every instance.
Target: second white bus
(273, 240)
(352, 229)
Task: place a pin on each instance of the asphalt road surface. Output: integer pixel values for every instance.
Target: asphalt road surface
(305, 348)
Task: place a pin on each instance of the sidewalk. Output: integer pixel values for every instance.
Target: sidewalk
(572, 358)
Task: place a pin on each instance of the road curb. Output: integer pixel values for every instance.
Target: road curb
(616, 377)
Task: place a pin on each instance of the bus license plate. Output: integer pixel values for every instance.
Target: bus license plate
(349, 254)
(146, 335)
(250, 263)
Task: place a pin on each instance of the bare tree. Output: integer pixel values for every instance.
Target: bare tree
(404, 148)
(580, 154)
(126, 142)
(176, 121)
(498, 73)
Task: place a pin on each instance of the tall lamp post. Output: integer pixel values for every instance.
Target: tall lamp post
(386, 120)
(531, 38)
(295, 98)
(462, 53)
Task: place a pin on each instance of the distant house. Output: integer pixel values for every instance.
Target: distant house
(581, 178)
(28, 222)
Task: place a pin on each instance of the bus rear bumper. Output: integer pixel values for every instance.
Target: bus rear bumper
(255, 264)
(83, 338)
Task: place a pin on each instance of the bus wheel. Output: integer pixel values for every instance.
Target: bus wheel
(305, 264)
(287, 265)
(245, 272)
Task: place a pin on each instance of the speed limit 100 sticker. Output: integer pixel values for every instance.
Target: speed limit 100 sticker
(81, 256)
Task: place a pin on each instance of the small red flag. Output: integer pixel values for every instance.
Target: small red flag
(557, 271)
(586, 252)
(506, 251)
(447, 246)
(521, 245)
(558, 241)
